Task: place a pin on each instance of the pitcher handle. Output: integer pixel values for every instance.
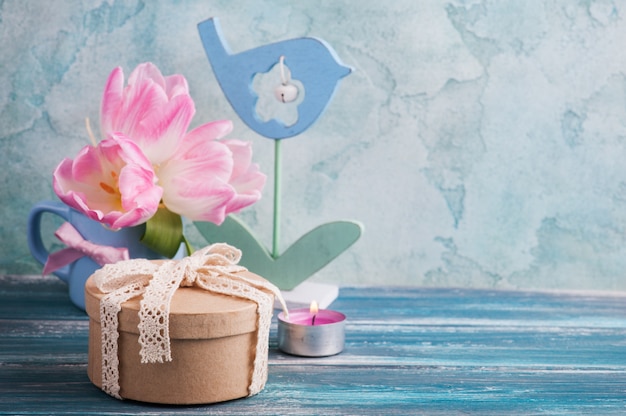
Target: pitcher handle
(35, 242)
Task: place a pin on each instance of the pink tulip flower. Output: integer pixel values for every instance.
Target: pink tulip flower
(153, 110)
(202, 178)
(208, 179)
(112, 183)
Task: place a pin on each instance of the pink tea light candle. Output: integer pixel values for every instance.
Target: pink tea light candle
(311, 332)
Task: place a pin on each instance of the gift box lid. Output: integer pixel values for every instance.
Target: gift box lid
(195, 313)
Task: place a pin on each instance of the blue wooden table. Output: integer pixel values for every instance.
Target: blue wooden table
(408, 351)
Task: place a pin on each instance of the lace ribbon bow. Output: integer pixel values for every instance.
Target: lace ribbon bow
(78, 247)
(213, 268)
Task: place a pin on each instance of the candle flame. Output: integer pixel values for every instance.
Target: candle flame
(314, 308)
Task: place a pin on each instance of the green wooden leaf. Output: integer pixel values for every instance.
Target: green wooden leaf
(309, 254)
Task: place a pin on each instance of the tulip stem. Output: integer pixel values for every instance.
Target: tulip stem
(277, 169)
(188, 246)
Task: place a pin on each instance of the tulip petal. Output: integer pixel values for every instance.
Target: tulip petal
(176, 85)
(246, 178)
(112, 183)
(199, 200)
(146, 71)
(162, 130)
(207, 179)
(153, 110)
(111, 100)
(214, 130)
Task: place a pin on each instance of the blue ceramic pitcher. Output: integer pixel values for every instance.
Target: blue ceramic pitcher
(77, 273)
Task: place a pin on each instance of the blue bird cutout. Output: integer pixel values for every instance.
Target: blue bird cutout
(311, 61)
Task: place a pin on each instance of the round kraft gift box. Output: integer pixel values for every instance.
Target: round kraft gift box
(213, 344)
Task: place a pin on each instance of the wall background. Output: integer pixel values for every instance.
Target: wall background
(481, 143)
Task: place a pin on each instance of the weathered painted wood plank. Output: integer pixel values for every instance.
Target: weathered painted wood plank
(35, 297)
(408, 351)
(348, 390)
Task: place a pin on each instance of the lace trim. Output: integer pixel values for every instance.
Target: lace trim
(213, 268)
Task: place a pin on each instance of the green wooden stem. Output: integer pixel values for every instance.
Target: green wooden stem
(277, 169)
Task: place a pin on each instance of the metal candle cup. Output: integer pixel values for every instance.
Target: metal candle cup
(311, 335)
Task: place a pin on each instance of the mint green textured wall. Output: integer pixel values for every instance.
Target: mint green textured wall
(481, 143)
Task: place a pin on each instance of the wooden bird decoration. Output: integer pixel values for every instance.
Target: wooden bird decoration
(317, 68)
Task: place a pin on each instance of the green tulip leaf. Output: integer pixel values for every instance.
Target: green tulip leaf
(164, 232)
